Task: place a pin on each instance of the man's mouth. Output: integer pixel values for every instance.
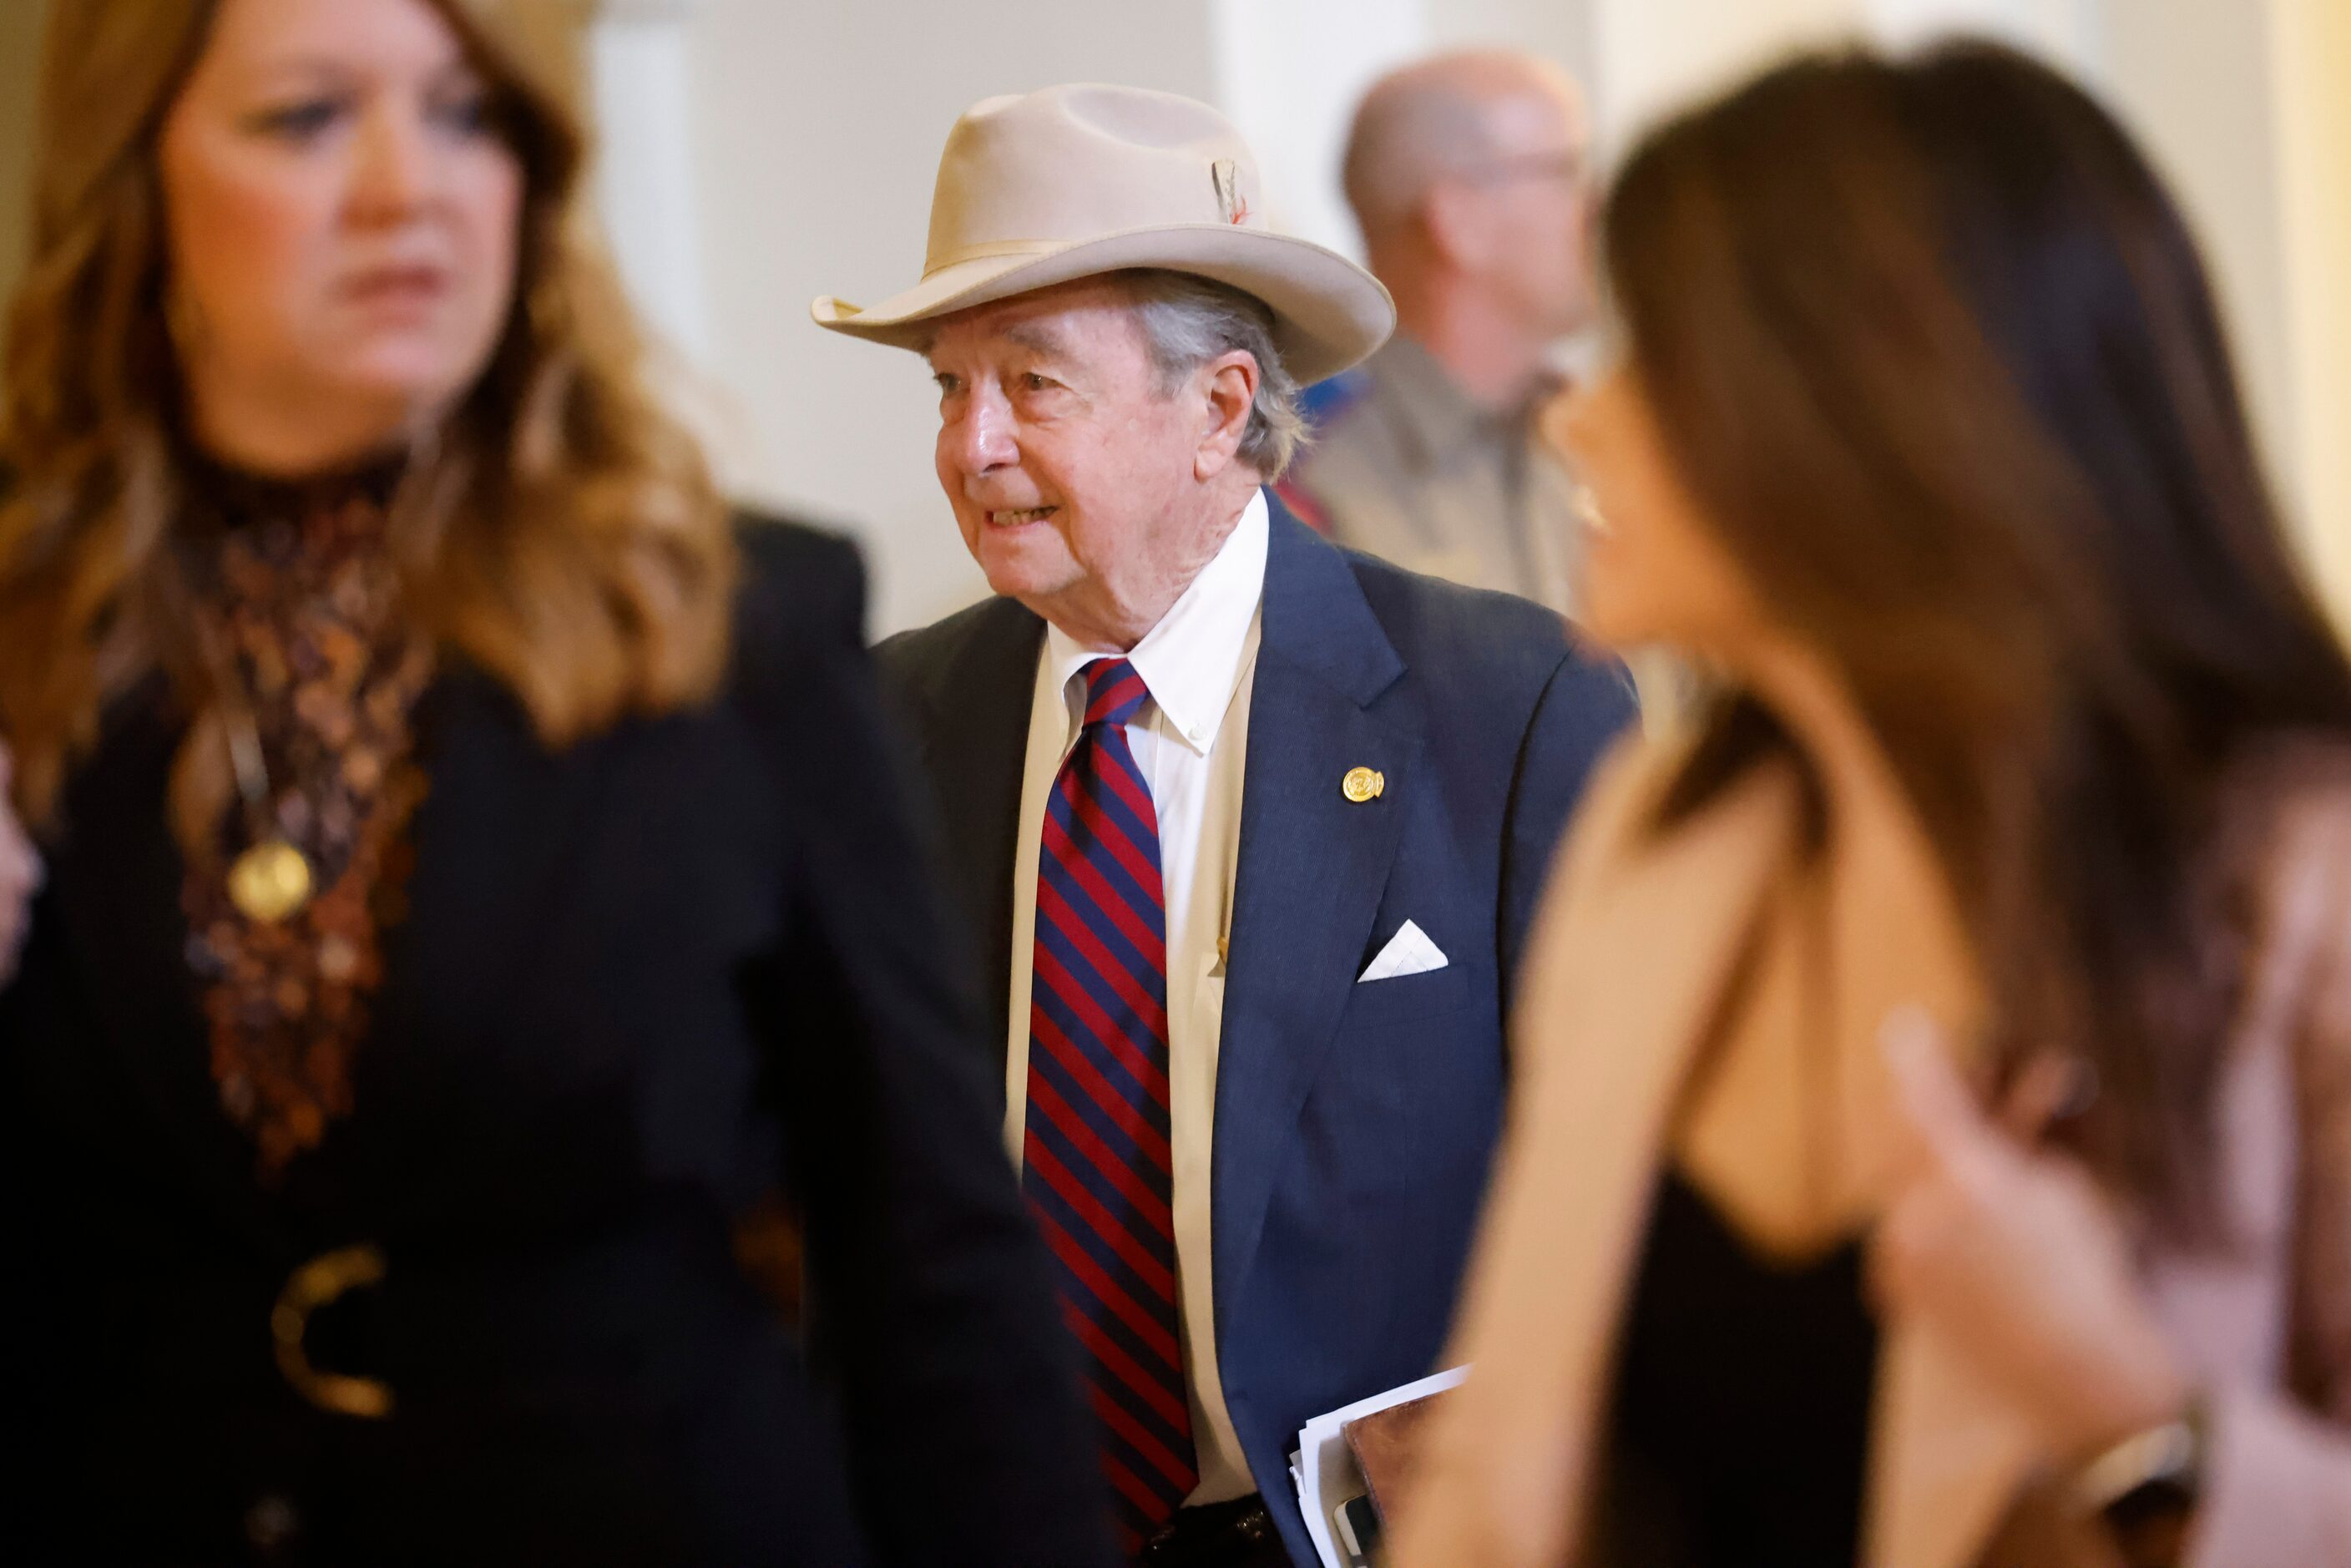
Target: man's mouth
(1015, 517)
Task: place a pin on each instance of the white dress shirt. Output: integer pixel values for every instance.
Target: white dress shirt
(1191, 741)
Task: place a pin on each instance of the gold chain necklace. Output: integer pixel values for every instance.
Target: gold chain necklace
(272, 880)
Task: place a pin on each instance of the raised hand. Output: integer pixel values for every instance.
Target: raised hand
(2015, 1254)
(20, 875)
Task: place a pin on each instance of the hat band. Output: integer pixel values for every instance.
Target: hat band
(993, 247)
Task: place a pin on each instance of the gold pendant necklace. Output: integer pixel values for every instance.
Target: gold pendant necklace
(272, 880)
(269, 882)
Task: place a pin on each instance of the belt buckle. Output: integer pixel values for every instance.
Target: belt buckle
(324, 1280)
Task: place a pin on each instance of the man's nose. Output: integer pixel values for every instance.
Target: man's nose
(982, 439)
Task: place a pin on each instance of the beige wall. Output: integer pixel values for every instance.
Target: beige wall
(1558, 29)
(817, 133)
(814, 130)
(2311, 49)
(2193, 77)
(2245, 105)
(1650, 55)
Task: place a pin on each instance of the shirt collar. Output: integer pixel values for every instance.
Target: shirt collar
(1192, 659)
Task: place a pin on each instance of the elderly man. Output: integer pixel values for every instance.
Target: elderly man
(1249, 828)
(1467, 176)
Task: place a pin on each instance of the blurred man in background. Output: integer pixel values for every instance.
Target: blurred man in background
(1466, 174)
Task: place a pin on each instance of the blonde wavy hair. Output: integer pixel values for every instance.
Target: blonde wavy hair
(567, 536)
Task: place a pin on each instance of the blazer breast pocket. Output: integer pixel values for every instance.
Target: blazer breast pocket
(1415, 1052)
(1430, 997)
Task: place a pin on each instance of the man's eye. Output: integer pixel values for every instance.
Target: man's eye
(1033, 382)
(947, 384)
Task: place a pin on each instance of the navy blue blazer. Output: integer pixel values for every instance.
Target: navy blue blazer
(1353, 1122)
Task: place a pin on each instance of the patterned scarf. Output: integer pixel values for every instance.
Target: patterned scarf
(304, 598)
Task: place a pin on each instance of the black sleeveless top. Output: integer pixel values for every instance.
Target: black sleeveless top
(1739, 1419)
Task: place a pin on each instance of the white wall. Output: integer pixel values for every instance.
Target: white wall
(2072, 31)
(1290, 72)
(1558, 29)
(800, 141)
(1295, 119)
(816, 129)
(639, 65)
(1649, 55)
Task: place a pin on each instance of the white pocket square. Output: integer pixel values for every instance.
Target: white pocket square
(1408, 952)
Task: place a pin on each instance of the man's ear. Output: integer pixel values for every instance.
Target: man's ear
(1227, 389)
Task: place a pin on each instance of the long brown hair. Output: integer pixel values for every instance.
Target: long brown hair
(570, 540)
(1936, 354)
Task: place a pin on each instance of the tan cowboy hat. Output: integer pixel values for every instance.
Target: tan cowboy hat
(1075, 181)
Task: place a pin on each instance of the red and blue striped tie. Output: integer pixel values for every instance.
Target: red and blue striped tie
(1096, 1153)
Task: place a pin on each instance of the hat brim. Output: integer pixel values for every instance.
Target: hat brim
(1329, 313)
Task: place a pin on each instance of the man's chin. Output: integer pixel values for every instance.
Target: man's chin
(1026, 568)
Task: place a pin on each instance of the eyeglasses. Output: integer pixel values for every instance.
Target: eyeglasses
(1566, 166)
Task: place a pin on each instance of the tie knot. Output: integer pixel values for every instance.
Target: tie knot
(1114, 693)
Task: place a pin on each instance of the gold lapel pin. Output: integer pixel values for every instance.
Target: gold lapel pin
(1363, 784)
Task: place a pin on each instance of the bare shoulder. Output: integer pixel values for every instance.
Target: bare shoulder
(2286, 821)
(2288, 805)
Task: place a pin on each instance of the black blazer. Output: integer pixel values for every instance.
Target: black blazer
(642, 982)
(1353, 1120)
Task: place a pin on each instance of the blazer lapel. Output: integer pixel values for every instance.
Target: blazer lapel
(975, 742)
(504, 843)
(116, 886)
(1311, 866)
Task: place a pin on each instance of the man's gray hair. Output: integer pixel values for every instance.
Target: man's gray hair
(1187, 321)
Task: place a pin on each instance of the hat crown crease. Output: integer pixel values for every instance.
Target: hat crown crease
(1084, 180)
(1070, 164)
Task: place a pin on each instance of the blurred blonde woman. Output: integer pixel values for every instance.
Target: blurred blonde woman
(474, 877)
(1933, 1144)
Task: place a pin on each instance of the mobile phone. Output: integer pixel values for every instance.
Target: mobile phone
(1359, 1533)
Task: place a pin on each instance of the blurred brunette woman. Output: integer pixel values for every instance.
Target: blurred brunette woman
(1934, 1145)
(476, 876)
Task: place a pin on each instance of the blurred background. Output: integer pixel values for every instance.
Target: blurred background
(759, 152)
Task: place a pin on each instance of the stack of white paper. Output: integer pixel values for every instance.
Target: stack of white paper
(1325, 1472)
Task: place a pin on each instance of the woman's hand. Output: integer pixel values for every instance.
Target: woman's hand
(20, 876)
(2015, 1257)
